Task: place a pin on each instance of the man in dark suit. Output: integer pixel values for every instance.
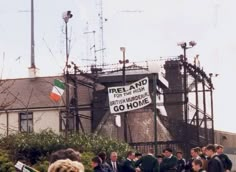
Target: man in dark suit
(227, 163)
(106, 167)
(114, 164)
(128, 163)
(181, 161)
(147, 163)
(169, 163)
(214, 163)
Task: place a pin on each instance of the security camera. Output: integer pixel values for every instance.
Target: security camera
(66, 16)
(192, 43)
(182, 44)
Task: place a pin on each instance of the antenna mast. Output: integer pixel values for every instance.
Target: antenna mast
(101, 32)
(32, 36)
(93, 47)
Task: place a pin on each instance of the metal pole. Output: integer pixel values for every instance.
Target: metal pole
(212, 111)
(155, 110)
(124, 83)
(67, 51)
(204, 110)
(32, 35)
(67, 87)
(185, 100)
(77, 118)
(197, 106)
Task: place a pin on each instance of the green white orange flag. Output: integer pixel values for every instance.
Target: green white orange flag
(57, 90)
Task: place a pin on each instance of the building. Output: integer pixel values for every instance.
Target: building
(138, 121)
(26, 106)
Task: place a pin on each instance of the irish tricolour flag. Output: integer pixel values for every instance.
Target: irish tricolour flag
(57, 90)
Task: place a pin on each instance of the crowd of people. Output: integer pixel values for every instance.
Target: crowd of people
(210, 158)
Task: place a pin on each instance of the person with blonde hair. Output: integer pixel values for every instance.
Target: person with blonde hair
(66, 165)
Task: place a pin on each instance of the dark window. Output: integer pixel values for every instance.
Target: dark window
(71, 121)
(26, 121)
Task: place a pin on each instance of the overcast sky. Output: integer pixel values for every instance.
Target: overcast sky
(148, 29)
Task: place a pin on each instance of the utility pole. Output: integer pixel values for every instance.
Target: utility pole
(196, 100)
(184, 46)
(124, 61)
(66, 16)
(155, 110)
(212, 107)
(77, 118)
(204, 110)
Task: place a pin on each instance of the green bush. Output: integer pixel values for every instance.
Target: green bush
(35, 148)
(86, 161)
(42, 165)
(5, 163)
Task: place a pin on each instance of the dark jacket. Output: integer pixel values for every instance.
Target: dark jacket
(227, 163)
(128, 166)
(147, 163)
(118, 166)
(188, 166)
(106, 167)
(215, 164)
(98, 169)
(180, 165)
(169, 164)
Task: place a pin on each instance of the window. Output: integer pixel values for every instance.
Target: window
(71, 121)
(26, 121)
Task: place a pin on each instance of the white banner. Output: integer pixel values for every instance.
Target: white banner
(129, 97)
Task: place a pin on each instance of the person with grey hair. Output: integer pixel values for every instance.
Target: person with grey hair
(113, 162)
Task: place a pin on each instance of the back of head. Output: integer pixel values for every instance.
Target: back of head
(151, 151)
(66, 165)
(72, 154)
(197, 162)
(168, 150)
(129, 153)
(211, 147)
(197, 149)
(65, 154)
(97, 160)
(102, 155)
(138, 154)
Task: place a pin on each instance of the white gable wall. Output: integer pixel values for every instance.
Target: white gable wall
(46, 120)
(42, 119)
(3, 127)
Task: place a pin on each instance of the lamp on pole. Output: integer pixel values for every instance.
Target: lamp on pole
(184, 46)
(66, 16)
(124, 61)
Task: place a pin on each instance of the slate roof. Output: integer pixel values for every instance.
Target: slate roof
(34, 93)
